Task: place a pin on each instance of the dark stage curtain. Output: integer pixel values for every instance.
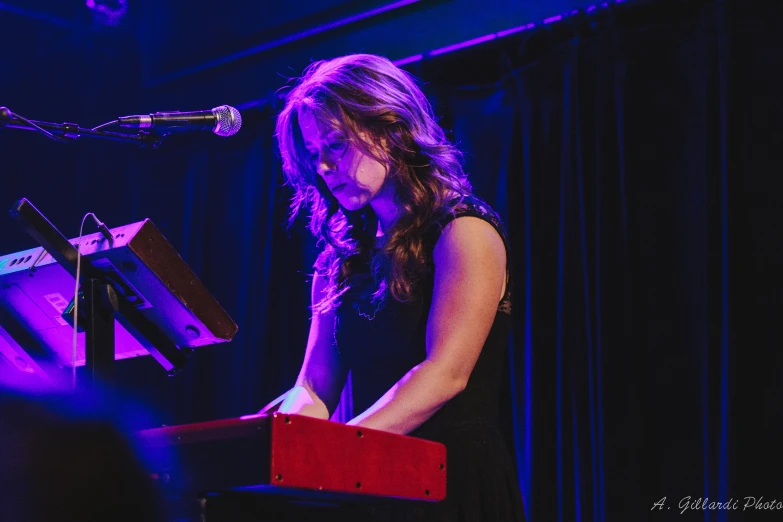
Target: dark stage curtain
(607, 156)
(612, 149)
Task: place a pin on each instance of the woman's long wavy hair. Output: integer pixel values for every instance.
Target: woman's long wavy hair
(372, 102)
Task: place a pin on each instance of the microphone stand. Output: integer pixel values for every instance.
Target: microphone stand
(72, 131)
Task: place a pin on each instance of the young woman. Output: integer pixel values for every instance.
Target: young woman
(411, 291)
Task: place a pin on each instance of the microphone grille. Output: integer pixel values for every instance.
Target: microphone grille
(228, 120)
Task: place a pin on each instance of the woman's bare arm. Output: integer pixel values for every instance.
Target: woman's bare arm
(470, 271)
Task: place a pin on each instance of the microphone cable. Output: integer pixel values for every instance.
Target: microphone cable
(107, 124)
(105, 231)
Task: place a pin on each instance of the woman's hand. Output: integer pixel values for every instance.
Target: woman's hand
(299, 401)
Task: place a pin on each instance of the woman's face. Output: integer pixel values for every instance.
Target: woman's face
(352, 176)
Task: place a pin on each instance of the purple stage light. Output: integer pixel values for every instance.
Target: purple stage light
(409, 59)
(283, 41)
(108, 12)
(513, 30)
(500, 34)
(475, 41)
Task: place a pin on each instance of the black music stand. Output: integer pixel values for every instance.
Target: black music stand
(104, 297)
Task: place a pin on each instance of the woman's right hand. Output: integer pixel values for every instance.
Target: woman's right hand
(300, 401)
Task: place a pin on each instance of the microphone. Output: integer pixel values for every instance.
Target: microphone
(223, 120)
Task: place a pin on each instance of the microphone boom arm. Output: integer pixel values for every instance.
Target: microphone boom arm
(72, 131)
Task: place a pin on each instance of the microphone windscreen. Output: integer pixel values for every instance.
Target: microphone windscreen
(228, 119)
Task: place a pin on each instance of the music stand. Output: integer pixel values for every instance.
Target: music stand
(137, 296)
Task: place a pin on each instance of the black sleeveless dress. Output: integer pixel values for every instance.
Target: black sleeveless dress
(382, 341)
